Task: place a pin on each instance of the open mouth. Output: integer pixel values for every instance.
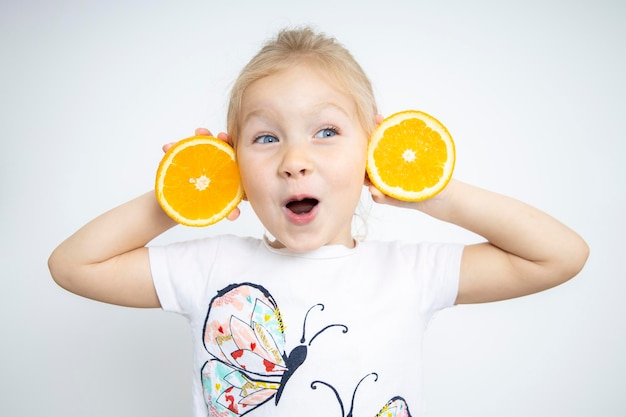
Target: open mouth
(302, 206)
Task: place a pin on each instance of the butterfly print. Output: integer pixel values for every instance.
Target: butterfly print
(395, 407)
(245, 335)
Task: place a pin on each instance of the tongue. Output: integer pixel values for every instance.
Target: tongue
(302, 206)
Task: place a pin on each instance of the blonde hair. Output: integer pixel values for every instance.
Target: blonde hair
(292, 46)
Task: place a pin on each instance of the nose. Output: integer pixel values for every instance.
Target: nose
(296, 161)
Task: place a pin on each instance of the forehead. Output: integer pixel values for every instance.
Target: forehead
(297, 88)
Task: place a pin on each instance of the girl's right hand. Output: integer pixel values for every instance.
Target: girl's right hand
(233, 215)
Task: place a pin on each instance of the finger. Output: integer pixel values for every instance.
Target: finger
(201, 131)
(379, 119)
(167, 146)
(224, 136)
(377, 195)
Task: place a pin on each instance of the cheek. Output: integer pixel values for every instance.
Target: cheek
(355, 165)
(349, 174)
(250, 174)
(251, 181)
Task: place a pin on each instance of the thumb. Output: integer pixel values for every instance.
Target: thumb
(234, 215)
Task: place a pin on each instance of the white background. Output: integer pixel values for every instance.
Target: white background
(532, 91)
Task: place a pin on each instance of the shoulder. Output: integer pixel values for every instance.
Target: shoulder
(416, 251)
(202, 253)
(215, 243)
(238, 242)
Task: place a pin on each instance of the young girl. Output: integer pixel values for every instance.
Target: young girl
(312, 322)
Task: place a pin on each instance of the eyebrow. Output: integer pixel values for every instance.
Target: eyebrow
(321, 106)
(260, 113)
(264, 113)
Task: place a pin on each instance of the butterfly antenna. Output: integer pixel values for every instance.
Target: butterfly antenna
(356, 388)
(313, 386)
(345, 330)
(303, 339)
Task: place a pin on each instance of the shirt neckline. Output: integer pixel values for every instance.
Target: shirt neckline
(324, 252)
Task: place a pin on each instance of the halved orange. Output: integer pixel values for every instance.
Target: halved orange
(410, 156)
(197, 182)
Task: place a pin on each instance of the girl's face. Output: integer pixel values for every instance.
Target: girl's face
(301, 154)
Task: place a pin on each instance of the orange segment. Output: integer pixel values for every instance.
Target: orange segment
(197, 182)
(411, 156)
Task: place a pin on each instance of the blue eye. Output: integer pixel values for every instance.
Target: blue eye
(265, 139)
(326, 132)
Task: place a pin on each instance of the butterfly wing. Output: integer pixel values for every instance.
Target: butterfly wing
(231, 392)
(395, 407)
(244, 333)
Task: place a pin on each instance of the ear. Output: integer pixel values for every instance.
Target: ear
(378, 119)
(366, 180)
(224, 136)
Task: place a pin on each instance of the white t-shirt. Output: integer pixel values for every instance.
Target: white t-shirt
(277, 333)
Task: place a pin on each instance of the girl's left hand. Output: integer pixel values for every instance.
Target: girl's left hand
(426, 205)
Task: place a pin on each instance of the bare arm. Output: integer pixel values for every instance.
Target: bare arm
(527, 251)
(106, 260)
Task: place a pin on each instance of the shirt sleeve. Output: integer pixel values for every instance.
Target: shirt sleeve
(439, 268)
(180, 272)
